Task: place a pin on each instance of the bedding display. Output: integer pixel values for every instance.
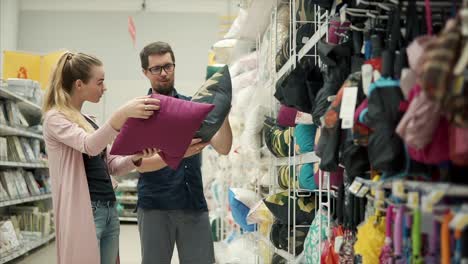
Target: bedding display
(381, 88)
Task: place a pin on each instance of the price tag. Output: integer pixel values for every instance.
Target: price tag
(413, 200)
(348, 102)
(426, 204)
(343, 14)
(459, 222)
(377, 75)
(338, 242)
(348, 107)
(436, 196)
(398, 189)
(379, 194)
(347, 123)
(355, 187)
(364, 190)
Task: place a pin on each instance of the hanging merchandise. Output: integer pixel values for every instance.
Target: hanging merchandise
(376, 173)
(312, 242)
(370, 239)
(336, 58)
(277, 138)
(278, 205)
(386, 256)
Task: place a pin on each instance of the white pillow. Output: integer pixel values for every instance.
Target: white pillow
(241, 100)
(243, 80)
(245, 63)
(223, 50)
(237, 25)
(246, 196)
(251, 137)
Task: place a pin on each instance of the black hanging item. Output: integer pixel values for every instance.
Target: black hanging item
(314, 82)
(331, 133)
(357, 60)
(385, 148)
(401, 62)
(300, 88)
(376, 41)
(354, 157)
(387, 64)
(337, 68)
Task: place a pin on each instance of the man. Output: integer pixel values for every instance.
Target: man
(171, 205)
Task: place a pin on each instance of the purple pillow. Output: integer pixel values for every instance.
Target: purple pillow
(170, 130)
(287, 116)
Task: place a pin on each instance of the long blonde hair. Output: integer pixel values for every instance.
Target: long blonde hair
(70, 67)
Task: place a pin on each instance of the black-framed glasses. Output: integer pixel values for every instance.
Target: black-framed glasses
(157, 70)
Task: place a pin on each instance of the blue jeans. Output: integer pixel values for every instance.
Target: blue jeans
(107, 224)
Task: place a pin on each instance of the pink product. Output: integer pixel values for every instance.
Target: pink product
(171, 130)
(287, 116)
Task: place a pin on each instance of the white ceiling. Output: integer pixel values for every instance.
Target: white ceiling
(185, 6)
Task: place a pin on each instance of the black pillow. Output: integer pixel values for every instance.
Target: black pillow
(278, 206)
(277, 138)
(217, 91)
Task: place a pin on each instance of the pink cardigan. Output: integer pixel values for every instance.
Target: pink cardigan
(74, 224)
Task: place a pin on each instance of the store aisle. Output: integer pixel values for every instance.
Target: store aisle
(129, 249)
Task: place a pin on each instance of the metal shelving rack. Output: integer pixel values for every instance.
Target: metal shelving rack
(27, 247)
(321, 29)
(128, 199)
(32, 112)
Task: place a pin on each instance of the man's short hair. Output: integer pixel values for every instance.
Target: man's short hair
(155, 48)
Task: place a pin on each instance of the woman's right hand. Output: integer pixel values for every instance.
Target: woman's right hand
(140, 107)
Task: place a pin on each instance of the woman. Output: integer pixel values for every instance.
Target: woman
(80, 166)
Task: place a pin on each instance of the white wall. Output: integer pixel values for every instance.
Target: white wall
(105, 35)
(9, 10)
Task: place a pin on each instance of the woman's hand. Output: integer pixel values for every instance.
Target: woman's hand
(147, 153)
(140, 107)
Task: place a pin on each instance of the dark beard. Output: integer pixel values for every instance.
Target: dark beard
(164, 90)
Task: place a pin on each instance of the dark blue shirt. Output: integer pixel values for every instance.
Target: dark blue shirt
(169, 189)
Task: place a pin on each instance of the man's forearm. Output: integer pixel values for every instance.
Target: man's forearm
(222, 140)
(152, 164)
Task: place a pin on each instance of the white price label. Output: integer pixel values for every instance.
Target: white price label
(338, 242)
(379, 194)
(355, 187)
(398, 189)
(364, 190)
(426, 204)
(348, 102)
(347, 123)
(413, 200)
(459, 222)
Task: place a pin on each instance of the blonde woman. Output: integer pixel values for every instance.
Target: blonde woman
(80, 166)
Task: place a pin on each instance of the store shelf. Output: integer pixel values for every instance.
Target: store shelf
(26, 200)
(26, 248)
(128, 219)
(126, 188)
(285, 69)
(25, 106)
(13, 131)
(313, 41)
(288, 66)
(300, 159)
(258, 18)
(28, 165)
(127, 199)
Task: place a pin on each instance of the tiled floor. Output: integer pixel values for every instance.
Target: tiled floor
(129, 249)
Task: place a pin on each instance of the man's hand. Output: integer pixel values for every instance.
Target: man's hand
(195, 147)
(146, 153)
